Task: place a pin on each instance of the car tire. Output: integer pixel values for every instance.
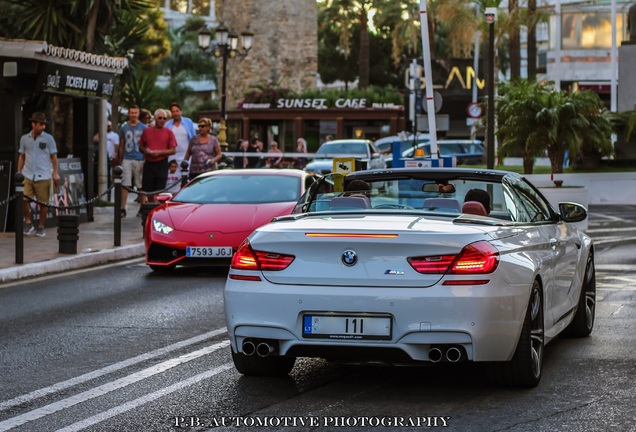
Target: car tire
(525, 368)
(270, 366)
(162, 269)
(583, 321)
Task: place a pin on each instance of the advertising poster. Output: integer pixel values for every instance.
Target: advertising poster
(70, 192)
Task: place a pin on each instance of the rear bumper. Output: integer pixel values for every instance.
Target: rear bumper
(485, 320)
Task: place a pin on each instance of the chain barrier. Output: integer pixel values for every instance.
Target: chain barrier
(138, 192)
(8, 200)
(71, 207)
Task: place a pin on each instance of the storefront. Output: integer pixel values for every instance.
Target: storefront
(312, 119)
(35, 67)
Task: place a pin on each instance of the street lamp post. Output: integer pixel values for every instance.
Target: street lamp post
(226, 47)
(491, 16)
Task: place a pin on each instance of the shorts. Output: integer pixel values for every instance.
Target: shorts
(155, 176)
(40, 189)
(133, 170)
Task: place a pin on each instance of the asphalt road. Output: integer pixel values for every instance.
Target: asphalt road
(119, 348)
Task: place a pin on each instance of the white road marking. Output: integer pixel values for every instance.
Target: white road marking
(597, 230)
(613, 240)
(616, 267)
(144, 399)
(109, 369)
(108, 387)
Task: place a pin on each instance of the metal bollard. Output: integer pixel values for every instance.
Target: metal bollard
(19, 210)
(184, 172)
(118, 172)
(68, 233)
(145, 209)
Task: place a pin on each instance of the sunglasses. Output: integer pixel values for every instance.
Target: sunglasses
(203, 125)
(161, 118)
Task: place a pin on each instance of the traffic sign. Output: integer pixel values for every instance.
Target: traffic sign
(474, 110)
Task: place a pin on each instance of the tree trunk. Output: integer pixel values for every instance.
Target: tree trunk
(515, 44)
(528, 162)
(532, 41)
(115, 103)
(91, 26)
(556, 159)
(364, 53)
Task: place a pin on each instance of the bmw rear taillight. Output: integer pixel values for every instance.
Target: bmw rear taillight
(246, 258)
(476, 258)
(431, 264)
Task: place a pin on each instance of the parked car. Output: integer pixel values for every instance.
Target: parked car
(467, 152)
(206, 221)
(405, 266)
(363, 150)
(385, 144)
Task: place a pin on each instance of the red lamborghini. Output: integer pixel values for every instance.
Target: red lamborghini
(206, 221)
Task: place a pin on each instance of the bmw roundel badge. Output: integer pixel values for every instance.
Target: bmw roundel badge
(349, 258)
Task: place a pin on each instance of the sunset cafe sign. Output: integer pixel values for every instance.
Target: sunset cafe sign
(319, 103)
(57, 78)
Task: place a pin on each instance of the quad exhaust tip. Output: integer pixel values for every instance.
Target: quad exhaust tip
(261, 348)
(249, 348)
(264, 349)
(451, 354)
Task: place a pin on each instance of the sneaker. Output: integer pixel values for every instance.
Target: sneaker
(28, 229)
(40, 232)
(123, 213)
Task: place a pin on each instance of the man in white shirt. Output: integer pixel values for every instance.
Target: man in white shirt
(183, 129)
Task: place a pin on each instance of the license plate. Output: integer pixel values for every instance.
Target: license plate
(346, 327)
(209, 251)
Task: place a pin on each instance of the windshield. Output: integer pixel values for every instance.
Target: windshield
(245, 189)
(420, 192)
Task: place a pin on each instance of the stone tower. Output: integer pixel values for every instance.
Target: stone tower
(285, 49)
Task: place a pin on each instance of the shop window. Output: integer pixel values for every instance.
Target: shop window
(588, 30)
(198, 7)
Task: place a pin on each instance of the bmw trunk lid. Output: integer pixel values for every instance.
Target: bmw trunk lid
(365, 251)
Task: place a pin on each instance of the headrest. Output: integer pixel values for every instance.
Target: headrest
(350, 202)
(441, 203)
(474, 207)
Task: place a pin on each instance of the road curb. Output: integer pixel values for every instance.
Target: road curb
(62, 264)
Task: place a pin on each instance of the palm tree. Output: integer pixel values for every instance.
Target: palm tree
(400, 20)
(516, 109)
(343, 14)
(574, 123)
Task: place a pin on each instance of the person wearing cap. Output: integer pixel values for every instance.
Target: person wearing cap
(37, 161)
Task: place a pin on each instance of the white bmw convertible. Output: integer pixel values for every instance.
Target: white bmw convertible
(409, 266)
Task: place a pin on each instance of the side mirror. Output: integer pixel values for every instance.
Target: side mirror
(572, 212)
(163, 197)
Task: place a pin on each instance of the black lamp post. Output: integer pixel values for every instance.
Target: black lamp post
(491, 17)
(226, 47)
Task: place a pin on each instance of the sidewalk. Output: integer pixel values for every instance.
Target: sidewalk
(94, 247)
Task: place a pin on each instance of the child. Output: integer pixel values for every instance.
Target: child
(173, 177)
